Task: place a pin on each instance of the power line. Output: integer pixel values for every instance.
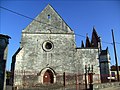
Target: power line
(80, 35)
(117, 42)
(20, 14)
(107, 42)
(101, 41)
(33, 19)
(46, 23)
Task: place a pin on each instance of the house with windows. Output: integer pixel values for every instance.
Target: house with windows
(114, 73)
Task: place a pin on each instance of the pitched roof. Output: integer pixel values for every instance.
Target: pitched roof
(104, 52)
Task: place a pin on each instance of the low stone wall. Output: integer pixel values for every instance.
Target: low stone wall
(105, 85)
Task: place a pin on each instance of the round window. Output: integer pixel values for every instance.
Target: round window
(48, 46)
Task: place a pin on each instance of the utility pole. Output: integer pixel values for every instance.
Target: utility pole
(117, 68)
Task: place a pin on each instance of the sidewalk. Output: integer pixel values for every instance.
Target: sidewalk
(67, 88)
(111, 88)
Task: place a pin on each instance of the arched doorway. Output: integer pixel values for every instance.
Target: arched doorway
(48, 77)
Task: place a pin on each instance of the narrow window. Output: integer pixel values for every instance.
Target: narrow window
(49, 16)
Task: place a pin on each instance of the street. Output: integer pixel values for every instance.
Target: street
(63, 88)
(111, 88)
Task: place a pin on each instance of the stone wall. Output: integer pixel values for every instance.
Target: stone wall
(33, 57)
(48, 43)
(88, 56)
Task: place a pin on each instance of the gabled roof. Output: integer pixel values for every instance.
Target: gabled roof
(48, 21)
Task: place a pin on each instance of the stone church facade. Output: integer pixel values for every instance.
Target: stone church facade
(48, 50)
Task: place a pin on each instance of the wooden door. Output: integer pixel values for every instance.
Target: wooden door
(48, 77)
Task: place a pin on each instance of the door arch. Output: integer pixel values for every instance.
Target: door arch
(47, 75)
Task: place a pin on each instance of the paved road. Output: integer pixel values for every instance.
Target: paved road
(67, 88)
(111, 88)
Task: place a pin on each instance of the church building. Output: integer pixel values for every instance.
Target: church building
(48, 50)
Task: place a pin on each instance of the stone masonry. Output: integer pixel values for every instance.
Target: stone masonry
(48, 49)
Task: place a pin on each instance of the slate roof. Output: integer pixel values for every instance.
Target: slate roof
(104, 52)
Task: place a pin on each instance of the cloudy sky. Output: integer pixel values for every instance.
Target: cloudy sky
(80, 15)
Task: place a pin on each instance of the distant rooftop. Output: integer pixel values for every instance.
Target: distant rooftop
(113, 68)
(1, 35)
(104, 52)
